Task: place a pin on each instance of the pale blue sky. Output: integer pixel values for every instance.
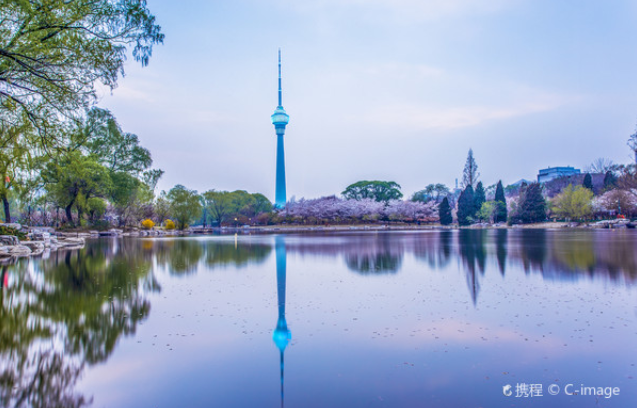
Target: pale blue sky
(382, 89)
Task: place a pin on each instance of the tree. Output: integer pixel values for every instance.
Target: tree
(219, 205)
(573, 203)
(588, 182)
(129, 197)
(96, 207)
(466, 206)
(487, 211)
(162, 208)
(433, 192)
(501, 206)
(470, 173)
(479, 197)
(444, 212)
(609, 180)
(116, 150)
(376, 190)
(53, 52)
(601, 165)
(531, 207)
(184, 205)
(632, 143)
(73, 179)
(616, 202)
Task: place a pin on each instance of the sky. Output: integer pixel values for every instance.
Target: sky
(394, 90)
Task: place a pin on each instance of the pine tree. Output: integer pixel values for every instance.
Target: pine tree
(466, 206)
(532, 207)
(444, 212)
(470, 173)
(501, 204)
(609, 180)
(588, 182)
(479, 197)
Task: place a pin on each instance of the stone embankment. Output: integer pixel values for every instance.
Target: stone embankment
(37, 242)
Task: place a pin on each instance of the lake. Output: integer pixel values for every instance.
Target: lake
(469, 318)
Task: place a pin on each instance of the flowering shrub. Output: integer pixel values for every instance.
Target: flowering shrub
(148, 224)
(169, 225)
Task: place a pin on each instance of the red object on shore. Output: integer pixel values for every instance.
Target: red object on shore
(6, 280)
(7, 179)
(622, 216)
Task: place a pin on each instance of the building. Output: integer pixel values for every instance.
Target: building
(280, 120)
(552, 173)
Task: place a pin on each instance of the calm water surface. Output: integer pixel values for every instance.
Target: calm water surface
(391, 319)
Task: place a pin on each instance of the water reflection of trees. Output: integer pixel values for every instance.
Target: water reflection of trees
(59, 314)
(471, 244)
(556, 254)
(183, 256)
(374, 256)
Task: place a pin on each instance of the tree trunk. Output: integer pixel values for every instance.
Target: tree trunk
(69, 216)
(7, 211)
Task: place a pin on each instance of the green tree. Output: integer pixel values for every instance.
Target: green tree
(73, 179)
(129, 197)
(53, 52)
(220, 205)
(381, 191)
(532, 207)
(487, 211)
(573, 203)
(444, 212)
(479, 197)
(162, 208)
(184, 205)
(470, 173)
(588, 182)
(501, 208)
(96, 208)
(466, 206)
(433, 192)
(116, 150)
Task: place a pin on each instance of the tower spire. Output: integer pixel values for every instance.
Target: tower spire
(280, 91)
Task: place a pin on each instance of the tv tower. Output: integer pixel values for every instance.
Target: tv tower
(280, 120)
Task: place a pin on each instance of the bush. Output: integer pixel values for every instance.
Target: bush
(148, 224)
(101, 225)
(12, 231)
(169, 225)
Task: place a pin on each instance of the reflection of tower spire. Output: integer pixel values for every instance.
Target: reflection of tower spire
(281, 335)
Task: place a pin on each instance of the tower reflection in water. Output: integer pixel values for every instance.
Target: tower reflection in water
(282, 334)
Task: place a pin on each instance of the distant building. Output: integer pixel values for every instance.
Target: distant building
(556, 172)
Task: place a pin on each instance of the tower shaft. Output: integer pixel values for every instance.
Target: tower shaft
(281, 196)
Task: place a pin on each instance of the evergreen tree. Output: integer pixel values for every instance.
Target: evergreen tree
(466, 206)
(470, 173)
(532, 207)
(588, 182)
(501, 204)
(444, 212)
(609, 180)
(479, 197)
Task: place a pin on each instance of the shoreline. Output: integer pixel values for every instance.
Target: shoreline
(43, 240)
